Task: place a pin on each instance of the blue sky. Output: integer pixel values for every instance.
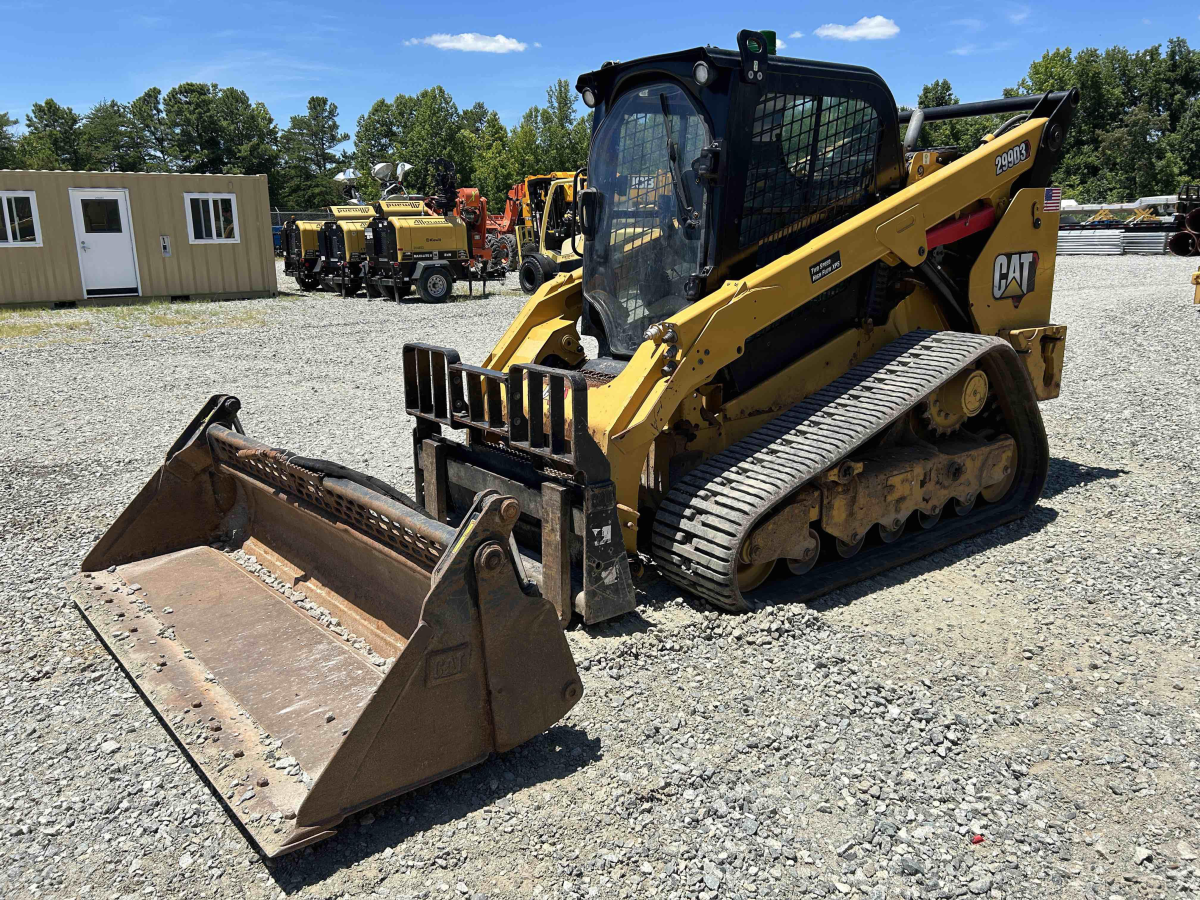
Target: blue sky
(283, 52)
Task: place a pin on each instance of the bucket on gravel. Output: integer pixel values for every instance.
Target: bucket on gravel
(314, 642)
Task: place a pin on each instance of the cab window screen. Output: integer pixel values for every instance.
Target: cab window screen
(812, 164)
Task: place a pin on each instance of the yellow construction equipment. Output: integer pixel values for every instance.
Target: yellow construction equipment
(816, 352)
(547, 234)
(426, 244)
(329, 253)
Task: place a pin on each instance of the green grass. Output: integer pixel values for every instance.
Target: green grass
(50, 326)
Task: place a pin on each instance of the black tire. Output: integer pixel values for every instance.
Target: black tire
(549, 266)
(308, 281)
(504, 253)
(436, 285)
(510, 241)
(532, 276)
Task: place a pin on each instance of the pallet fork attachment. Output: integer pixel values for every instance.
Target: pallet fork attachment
(316, 644)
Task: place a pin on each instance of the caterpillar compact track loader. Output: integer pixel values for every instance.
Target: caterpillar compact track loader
(806, 334)
(819, 349)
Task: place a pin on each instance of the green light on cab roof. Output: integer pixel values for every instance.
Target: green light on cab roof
(769, 36)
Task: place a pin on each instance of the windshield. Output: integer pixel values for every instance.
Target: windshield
(651, 211)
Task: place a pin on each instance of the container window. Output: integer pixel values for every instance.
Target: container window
(19, 225)
(212, 218)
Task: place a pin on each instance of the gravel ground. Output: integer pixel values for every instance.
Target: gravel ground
(1014, 717)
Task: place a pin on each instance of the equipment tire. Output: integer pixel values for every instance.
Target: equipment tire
(435, 285)
(308, 282)
(549, 266)
(510, 241)
(532, 276)
(504, 253)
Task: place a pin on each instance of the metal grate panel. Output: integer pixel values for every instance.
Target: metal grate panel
(527, 407)
(368, 512)
(812, 165)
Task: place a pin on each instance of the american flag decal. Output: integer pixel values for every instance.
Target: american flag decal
(1052, 202)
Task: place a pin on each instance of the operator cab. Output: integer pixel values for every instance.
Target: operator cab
(707, 164)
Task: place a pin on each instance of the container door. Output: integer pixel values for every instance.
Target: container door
(104, 241)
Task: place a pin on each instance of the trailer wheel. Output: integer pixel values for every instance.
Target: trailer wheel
(532, 275)
(435, 285)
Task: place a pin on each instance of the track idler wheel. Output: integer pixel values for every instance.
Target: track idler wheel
(751, 575)
(811, 555)
(963, 396)
(929, 519)
(994, 493)
(893, 532)
(846, 549)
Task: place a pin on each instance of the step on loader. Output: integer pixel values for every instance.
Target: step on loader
(314, 643)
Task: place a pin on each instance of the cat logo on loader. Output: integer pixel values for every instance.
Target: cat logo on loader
(1013, 275)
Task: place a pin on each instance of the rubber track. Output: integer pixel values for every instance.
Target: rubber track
(708, 514)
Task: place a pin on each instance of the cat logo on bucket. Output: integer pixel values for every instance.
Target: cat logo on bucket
(1013, 275)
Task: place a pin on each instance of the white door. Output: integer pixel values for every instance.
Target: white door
(104, 239)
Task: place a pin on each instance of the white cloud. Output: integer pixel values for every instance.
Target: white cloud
(1019, 15)
(471, 42)
(536, 44)
(965, 50)
(796, 34)
(868, 28)
(779, 44)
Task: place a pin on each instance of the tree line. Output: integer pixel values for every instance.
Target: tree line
(208, 129)
(1136, 132)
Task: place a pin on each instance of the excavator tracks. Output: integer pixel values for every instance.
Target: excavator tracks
(708, 514)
